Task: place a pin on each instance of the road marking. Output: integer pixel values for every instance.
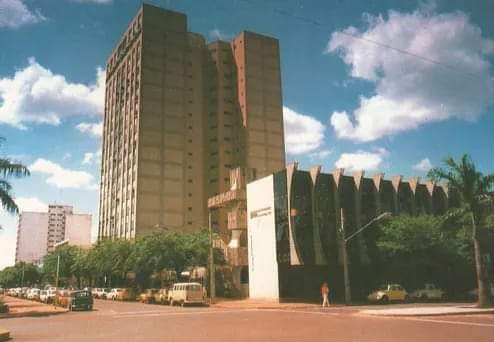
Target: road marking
(324, 313)
(450, 322)
(178, 313)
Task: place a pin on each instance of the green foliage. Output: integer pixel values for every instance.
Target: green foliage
(476, 198)
(407, 235)
(421, 249)
(9, 169)
(25, 274)
(111, 262)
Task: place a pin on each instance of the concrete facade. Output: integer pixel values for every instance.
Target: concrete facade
(78, 230)
(32, 237)
(306, 219)
(179, 115)
(38, 232)
(57, 224)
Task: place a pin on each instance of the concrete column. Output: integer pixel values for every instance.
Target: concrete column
(414, 181)
(377, 179)
(446, 193)
(318, 253)
(358, 178)
(337, 174)
(396, 181)
(430, 185)
(294, 257)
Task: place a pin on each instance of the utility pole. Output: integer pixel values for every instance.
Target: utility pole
(344, 241)
(58, 270)
(346, 277)
(22, 275)
(212, 284)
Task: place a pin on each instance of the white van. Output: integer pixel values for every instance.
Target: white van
(187, 293)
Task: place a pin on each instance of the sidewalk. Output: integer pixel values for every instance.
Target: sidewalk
(414, 309)
(261, 304)
(24, 308)
(423, 310)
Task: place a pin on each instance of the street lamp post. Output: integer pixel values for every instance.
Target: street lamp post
(212, 284)
(344, 241)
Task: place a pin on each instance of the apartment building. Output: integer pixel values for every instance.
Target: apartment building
(38, 232)
(180, 113)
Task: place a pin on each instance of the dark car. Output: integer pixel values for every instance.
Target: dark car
(80, 300)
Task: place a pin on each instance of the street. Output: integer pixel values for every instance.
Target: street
(116, 321)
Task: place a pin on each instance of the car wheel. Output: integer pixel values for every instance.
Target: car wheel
(424, 297)
(384, 300)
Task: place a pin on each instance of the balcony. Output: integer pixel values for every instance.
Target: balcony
(226, 198)
(237, 256)
(237, 219)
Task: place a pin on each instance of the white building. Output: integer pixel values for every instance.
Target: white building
(32, 237)
(38, 232)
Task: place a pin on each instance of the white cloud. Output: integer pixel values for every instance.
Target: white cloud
(217, 34)
(303, 133)
(14, 14)
(321, 154)
(96, 1)
(410, 91)
(362, 160)
(37, 95)
(94, 129)
(424, 165)
(91, 157)
(63, 178)
(31, 204)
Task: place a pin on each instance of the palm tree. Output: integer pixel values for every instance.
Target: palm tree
(475, 191)
(9, 169)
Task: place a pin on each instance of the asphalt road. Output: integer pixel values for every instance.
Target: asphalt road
(113, 321)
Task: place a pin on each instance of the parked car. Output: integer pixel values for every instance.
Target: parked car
(112, 295)
(187, 293)
(127, 294)
(161, 296)
(387, 293)
(102, 293)
(428, 292)
(23, 293)
(473, 294)
(43, 296)
(80, 300)
(51, 294)
(148, 296)
(63, 298)
(33, 294)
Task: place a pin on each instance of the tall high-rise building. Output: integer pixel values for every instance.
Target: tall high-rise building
(179, 115)
(57, 223)
(39, 232)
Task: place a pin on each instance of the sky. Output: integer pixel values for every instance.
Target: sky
(383, 86)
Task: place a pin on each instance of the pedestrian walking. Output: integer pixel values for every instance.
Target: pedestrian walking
(325, 294)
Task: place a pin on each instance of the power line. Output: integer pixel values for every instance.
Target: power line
(377, 43)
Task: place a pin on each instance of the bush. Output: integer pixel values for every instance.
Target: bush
(4, 308)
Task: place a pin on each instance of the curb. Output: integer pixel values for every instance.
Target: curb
(4, 335)
(466, 313)
(32, 314)
(261, 307)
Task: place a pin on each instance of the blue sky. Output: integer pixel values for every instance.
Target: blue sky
(391, 86)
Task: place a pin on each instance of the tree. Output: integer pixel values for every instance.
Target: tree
(68, 269)
(420, 249)
(475, 191)
(9, 169)
(21, 274)
(109, 261)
